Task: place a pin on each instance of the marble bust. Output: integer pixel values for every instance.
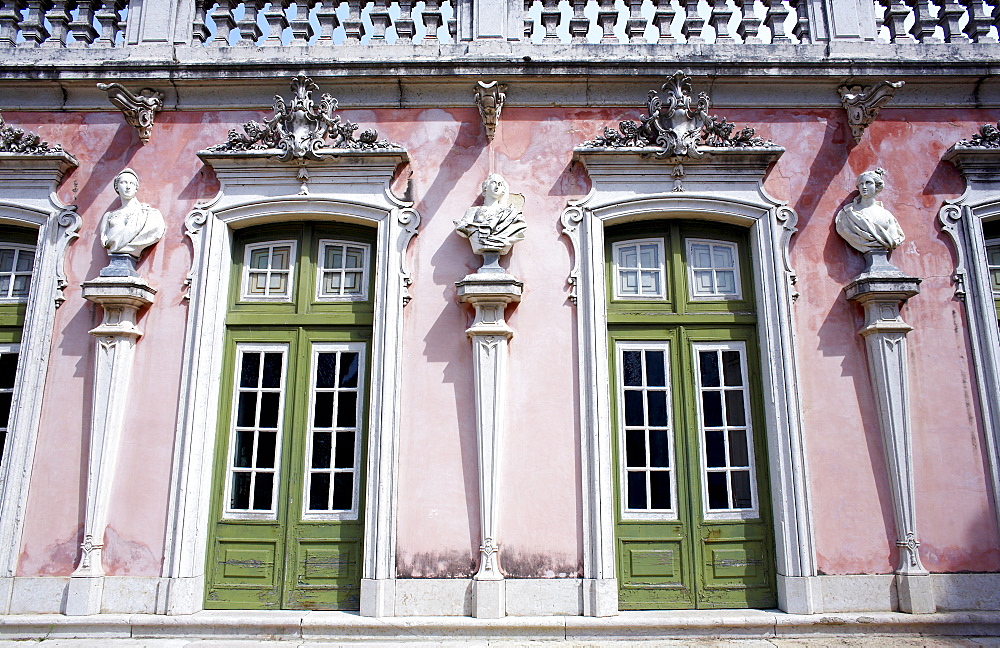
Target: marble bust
(494, 227)
(134, 226)
(865, 224)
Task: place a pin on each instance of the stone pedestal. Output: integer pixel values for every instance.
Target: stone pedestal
(489, 293)
(881, 290)
(121, 297)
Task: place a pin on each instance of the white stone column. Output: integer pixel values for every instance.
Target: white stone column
(121, 297)
(881, 294)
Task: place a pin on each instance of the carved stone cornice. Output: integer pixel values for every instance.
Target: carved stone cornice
(17, 140)
(863, 104)
(300, 129)
(678, 124)
(139, 110)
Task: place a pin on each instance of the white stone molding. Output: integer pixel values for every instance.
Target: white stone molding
(139, 109)
(490, 98)
(881, 292)
(962, 219)
(724, 185)
(351, 187)
(120, 297)
(28, 200)
(864, 103)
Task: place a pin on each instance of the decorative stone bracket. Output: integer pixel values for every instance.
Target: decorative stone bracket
(863, 104)
(490, 98)
(139, 110)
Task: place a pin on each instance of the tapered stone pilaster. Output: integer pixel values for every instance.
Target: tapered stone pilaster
(489, 293)
(881, 292)
(121, 297)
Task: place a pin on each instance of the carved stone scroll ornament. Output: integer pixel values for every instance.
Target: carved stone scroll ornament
(16, 140)
(863, 104)
(490, 98)
(678, 124)
(139, 110)
(301, 128)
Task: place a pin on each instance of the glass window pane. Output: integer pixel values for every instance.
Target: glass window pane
(657, 402)
(629, 283)
(738, 451)
(659, 448)
(718, 491)
(323, 416)
(5, 402)
(352, 283)
(322, 450)
(701, 255)
(633, 408)
(22, 283)
(632, 367)
(345, 450)
(648, 256)
(280, 257)
(262, 491)
(722, 256)
(659, 489)
(266, 446)
(277, 283)
(741, 490)
(347, 404)
(995, 280)
(349, 369)
(331, 285)
(709, 364)
(731, 368)
(650, 283)
(244, 449)
(7, 260)
(319, 491)
(25, 260)
(250, 370)
(269, 409)
(272, 370)
(715, 449)
(258, 258)
(636, 497)
(257, 283)
(635, 449)
(326, 370)
(334, 257)
(704, 282)
(734, 408)
(628, 257)
(240, 498)
(655, 371)
(343, 491)
(711, 404)
(354, 258)
(725, 282)
(246, 415)
(8, 370)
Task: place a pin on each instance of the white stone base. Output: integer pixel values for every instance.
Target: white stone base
(489, 599)
(84, 594)
(915, 594)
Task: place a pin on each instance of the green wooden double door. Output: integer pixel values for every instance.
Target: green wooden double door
(693, 525)
(288, 513)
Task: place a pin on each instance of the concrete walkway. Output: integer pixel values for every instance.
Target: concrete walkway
(749, 628)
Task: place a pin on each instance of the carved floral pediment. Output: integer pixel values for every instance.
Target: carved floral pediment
(301, 128)
(987, 137)
(678, 124)
(17, 140)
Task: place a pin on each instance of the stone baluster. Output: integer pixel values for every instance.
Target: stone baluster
(948, 17)
(354, 29)
(996, 17)
(406, 28)
(381, 20)
(432, 19)
(82, 27)
(58, 16)
(663, 18)
(719, 20)
(452, 27)
(326, 16)
(529, 25)
(550, 19)
(276, 23)
(923, 23)
(224, 22)
(302, 29)
(10, 16)
(801, 29)
(579, 24)
(978, 27)
(33, 25)
(250, 31)
(200, 31)
(635, 26)
(896, 13)
(774, 20)
(607, 16)
(693, 22)
(749, 27)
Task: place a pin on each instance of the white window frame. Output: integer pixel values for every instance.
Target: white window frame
(320, 270)
(661, 269)
(670, 514)
(19, 247)
(715, 296)
(753, 512)
(241, 349)
(352, 513)
(248, 250)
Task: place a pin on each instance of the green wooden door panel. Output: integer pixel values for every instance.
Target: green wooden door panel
(243, 574)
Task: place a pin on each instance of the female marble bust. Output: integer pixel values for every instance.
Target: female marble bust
(495, 226)
(865, 224)
(134, 226)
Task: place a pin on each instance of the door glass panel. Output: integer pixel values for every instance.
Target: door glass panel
(8, 371)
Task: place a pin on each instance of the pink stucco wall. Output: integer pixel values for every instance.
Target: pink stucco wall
(541, 527)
